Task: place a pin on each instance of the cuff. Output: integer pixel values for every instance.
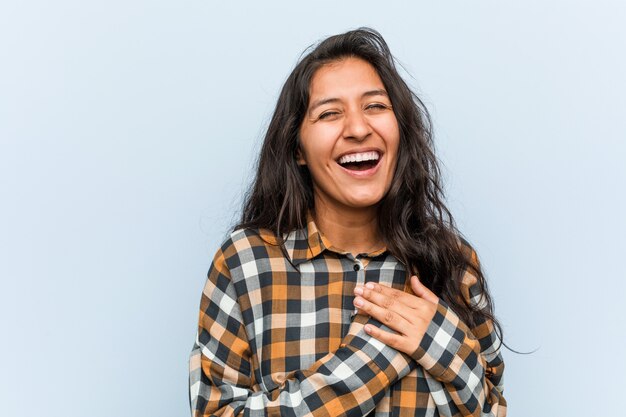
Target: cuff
(393, 363)
(443, 338)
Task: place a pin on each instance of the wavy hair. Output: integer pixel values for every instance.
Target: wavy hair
(415, 224)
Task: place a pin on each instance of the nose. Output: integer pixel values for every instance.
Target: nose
(356, 126)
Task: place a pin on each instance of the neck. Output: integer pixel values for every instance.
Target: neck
(351, 230)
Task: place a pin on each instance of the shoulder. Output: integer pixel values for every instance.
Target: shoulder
(472, 287)
(245, 246)
(241, 241)
(470, 257)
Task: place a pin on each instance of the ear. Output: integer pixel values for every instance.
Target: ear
(300, 158)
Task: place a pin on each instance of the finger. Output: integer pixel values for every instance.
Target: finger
(422, 291)
(390, 318)
(399, 302)
(386, 291)
(390, 339)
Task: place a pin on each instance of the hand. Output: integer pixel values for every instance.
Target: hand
(407, 314)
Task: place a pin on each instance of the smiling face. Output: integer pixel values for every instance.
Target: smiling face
(349, 136)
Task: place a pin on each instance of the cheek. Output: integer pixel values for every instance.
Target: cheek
(391, 136)
(388, 128)
(317, 145)
(393, 145)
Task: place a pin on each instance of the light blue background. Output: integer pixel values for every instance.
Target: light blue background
(127, 133)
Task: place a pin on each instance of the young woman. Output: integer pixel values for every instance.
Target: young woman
(346, 288)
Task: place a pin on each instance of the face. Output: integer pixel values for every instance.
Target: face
(349, 136)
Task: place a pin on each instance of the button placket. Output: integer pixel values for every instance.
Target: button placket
(360, 278)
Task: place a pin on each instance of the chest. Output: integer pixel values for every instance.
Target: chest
(295, 315)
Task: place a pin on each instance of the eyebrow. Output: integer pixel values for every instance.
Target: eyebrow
(371, 93)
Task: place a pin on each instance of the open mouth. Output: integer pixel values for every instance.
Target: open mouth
(360, 161)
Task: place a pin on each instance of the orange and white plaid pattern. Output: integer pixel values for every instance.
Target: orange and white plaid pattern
(278, 336)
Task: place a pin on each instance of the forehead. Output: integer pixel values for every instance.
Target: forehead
(344, 77)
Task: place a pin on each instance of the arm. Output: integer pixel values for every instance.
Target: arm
(349, 381)
(466, 362)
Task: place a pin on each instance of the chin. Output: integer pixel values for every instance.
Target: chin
(365, 201)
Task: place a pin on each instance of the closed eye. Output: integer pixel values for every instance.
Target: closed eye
(377, 107)
(328, 115)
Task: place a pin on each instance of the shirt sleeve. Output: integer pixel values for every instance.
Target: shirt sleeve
(466, 361)
(347, 382)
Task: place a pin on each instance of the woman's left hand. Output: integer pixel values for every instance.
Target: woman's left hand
(407, 314)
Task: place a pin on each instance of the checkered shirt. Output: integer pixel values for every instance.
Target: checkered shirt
(278, 336)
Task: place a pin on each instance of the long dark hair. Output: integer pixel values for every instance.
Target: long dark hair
(416, 226)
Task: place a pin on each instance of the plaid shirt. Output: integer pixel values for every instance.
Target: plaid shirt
(278, 336)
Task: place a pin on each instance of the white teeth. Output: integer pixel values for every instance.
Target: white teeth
(358, 157)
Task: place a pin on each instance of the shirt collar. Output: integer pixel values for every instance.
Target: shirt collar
(304, 244)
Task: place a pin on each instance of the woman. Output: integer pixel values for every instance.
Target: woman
(346, 287)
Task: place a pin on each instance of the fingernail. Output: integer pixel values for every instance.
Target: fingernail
(358, 302)
(370, 285)
(368, 329)
(358, 291)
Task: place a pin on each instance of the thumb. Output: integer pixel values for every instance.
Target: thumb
(422, 291)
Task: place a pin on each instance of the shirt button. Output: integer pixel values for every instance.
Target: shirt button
(356, 267)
